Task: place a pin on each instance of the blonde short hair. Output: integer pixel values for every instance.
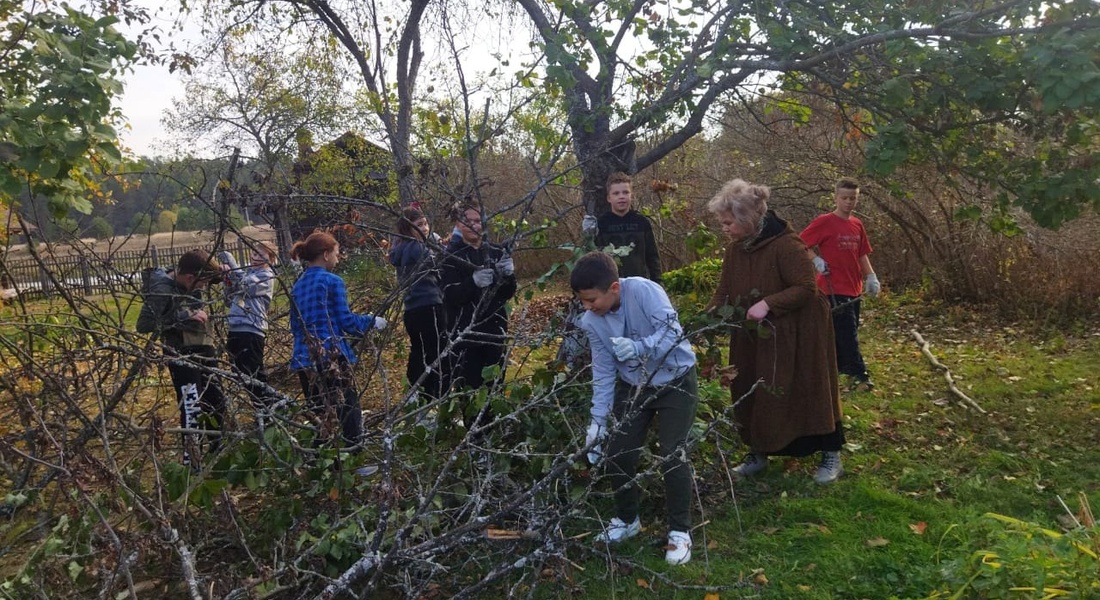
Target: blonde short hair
(744, 201)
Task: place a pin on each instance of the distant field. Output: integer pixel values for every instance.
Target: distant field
(176, 239)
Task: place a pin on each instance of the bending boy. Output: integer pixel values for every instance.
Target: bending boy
(643, 369)
(173, 309)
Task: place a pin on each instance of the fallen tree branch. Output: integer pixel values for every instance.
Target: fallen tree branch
(924, 348)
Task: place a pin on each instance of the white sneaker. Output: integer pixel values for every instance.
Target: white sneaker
(830, 469)
(618, 531)
(678, 550)
(754, 463)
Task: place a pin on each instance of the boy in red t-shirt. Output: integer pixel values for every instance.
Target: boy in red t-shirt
(844, 272)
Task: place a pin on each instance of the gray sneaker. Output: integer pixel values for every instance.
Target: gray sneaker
(366, 470)
(754, 463)
(830, 469)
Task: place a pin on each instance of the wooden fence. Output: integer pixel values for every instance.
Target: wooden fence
(91, 273)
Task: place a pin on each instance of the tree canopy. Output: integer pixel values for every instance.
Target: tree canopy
(60, 72)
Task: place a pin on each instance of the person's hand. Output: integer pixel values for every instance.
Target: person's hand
(379, 323)
(595, 435)
(199, 315)
(871, 285)
(506, 266)
(227, 260)
(758, 311)
(483, 278)
(821, 266)
(590, 226)
(624, 348)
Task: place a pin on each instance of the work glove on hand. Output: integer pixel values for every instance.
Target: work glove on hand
(590, 226)
(483, 278)
(379, 323)
(624, 348)
(758, 311)
(595, 434)
(506, 266)
(821, 266)
(226, 258)
(871, 285)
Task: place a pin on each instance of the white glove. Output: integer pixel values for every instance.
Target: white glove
(821, 266)
(506, 266)
(624, 348)
(227, 258)
(590, 226)
(871, 285)
(595, 434)
(379, 323)
(483, 278)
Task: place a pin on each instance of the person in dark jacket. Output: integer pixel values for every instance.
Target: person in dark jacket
(425, 320)
(173, 309)
(623, 227)
(478, 279)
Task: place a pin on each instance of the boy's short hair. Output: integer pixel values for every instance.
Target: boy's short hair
(847, 183)
(200, 263)
(594, 271)
(618, 177)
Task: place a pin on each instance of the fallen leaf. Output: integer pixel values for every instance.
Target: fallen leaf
(760, 579)
(803, 588)
(334, 494)
(712, 545)
(711, 597)
(642, 583)
(876, 542)
(918, 528)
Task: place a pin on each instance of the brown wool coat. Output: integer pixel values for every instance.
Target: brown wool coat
(799, 395)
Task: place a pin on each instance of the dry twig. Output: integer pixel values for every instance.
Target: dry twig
(924, 348)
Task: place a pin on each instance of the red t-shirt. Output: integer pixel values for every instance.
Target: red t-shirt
(841, 242)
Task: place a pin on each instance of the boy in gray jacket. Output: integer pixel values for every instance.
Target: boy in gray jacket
(173, 309)
(249, 292)
(643, 369)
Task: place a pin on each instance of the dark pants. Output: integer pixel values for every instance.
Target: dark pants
(198, 394)
(467, 369)
(247, 351)
(328, 389)
(426, 328)
(673, 405)
(849, 360)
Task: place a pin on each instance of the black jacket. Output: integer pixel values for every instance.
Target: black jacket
(468, 304)
(631, 228)
(168, 309)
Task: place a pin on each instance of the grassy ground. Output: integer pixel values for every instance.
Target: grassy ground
(922, 470)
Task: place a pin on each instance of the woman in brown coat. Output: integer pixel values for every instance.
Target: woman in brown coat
(786, 341)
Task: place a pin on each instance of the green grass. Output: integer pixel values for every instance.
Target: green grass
(922, 470)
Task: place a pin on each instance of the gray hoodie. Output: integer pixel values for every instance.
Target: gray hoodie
(249, 293)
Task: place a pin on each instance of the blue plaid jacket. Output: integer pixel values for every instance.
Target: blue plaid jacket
(320, 316)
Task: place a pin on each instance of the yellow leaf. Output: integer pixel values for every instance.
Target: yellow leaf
(876, 542)
(712, 545)
(334, 494)
(642, 583)
(760, 579)
(804, 588)
(711, 597)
